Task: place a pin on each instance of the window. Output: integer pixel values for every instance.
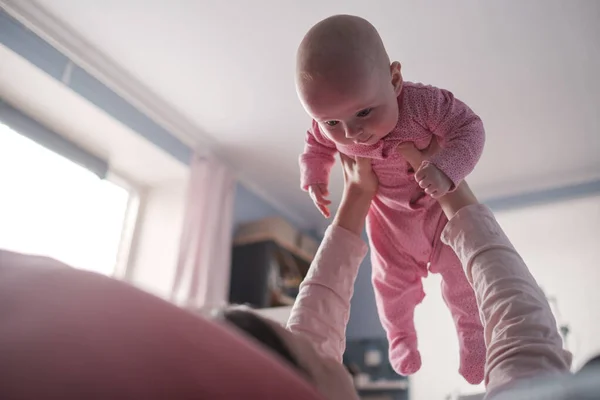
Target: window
(51, 206)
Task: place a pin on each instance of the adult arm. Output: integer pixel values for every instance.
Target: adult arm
(520, 330)
(322, 308)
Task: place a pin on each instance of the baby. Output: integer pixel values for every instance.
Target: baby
(361, 107)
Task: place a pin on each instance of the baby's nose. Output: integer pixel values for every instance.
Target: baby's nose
(352, 132)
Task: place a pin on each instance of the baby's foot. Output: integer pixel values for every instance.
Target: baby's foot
(405, 359)
(472, 358)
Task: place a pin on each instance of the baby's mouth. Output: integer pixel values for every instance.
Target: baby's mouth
(365, 140)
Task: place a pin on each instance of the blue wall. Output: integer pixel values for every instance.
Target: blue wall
(249, 207)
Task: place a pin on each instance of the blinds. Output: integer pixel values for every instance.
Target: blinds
(32, 129)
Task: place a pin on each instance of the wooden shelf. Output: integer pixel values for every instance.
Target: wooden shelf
(265, 237)
(280, 231)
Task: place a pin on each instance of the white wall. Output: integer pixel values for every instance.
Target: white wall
(157, 244)
(560, 242)
(561, 245)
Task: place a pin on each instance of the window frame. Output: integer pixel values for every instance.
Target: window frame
(24, 125)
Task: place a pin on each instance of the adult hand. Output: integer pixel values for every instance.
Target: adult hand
(452, 202)
(429, 177)
(416, 157)
(360, 186)
(358, 175)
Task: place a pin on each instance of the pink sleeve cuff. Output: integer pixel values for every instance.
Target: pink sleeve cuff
(338, 258)
(314, 170)
(471, 231)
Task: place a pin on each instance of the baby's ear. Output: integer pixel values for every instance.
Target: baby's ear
(396, 77)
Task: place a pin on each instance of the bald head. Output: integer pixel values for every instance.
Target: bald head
(345, 81)
(339, 45)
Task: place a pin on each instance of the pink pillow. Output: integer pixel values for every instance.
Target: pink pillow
(70, 334)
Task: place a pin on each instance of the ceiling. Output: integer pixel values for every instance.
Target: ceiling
(530, 69)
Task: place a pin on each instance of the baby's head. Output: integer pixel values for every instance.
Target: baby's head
(346, 82)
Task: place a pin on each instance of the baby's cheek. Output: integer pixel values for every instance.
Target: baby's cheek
(383, 126)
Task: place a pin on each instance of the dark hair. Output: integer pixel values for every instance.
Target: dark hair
(255, 327)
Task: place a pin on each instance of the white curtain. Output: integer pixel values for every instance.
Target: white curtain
(203, 267)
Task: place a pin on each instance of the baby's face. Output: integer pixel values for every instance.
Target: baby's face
(356, 107)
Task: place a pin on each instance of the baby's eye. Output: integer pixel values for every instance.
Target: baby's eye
(332, 123)
(364, 112)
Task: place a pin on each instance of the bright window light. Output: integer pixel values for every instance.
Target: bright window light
(51, 206)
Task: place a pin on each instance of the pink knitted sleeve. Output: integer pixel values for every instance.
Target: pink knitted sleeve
(317, 159)
(459, 130)
(322, 308)
(520, 330)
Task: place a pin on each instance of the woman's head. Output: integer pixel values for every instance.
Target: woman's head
(260, 330)
(327, 375)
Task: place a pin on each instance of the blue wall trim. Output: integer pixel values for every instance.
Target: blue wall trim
(104, 98)
(28, 45)
(545, 196)
(30, 128)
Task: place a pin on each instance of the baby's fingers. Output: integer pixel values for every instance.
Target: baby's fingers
(319, 194)
(323, 190)
(324, 210)
(321, 199)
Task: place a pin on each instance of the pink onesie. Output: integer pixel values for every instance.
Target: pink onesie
(404, 224)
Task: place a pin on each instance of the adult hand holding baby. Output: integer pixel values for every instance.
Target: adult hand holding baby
(358, 175)
(429, 177)
(451, 202)
(360, 186)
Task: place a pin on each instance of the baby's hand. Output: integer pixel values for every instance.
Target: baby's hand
(433, 180)
(318, 194)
